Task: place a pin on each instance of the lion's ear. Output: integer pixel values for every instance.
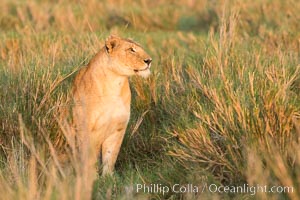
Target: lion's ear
(111, 43)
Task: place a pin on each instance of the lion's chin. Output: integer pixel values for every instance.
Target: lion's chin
(144, 74)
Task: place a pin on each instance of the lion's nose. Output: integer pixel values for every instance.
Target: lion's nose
(148, 61)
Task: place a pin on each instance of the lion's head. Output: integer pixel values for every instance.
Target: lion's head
(127, 57)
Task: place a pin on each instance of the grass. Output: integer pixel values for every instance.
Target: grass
(221, 106)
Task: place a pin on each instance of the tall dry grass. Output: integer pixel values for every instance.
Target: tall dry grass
(33, 171)
(248, 112)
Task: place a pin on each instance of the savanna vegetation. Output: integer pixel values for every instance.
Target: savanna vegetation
(222, 105)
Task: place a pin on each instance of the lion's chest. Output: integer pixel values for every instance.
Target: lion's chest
(105, 104)
(113, 114)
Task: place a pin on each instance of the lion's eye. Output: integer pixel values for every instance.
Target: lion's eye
(132, 49)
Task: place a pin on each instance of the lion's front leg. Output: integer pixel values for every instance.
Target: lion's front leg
(110, 150)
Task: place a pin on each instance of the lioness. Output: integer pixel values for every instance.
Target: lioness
(102, 96)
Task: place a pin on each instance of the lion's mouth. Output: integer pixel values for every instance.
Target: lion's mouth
(140, 70)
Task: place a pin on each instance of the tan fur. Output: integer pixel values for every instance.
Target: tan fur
(102, 96)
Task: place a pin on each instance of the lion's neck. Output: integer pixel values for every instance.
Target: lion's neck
(108, 82)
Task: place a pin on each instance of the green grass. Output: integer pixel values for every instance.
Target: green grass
(222, 105)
